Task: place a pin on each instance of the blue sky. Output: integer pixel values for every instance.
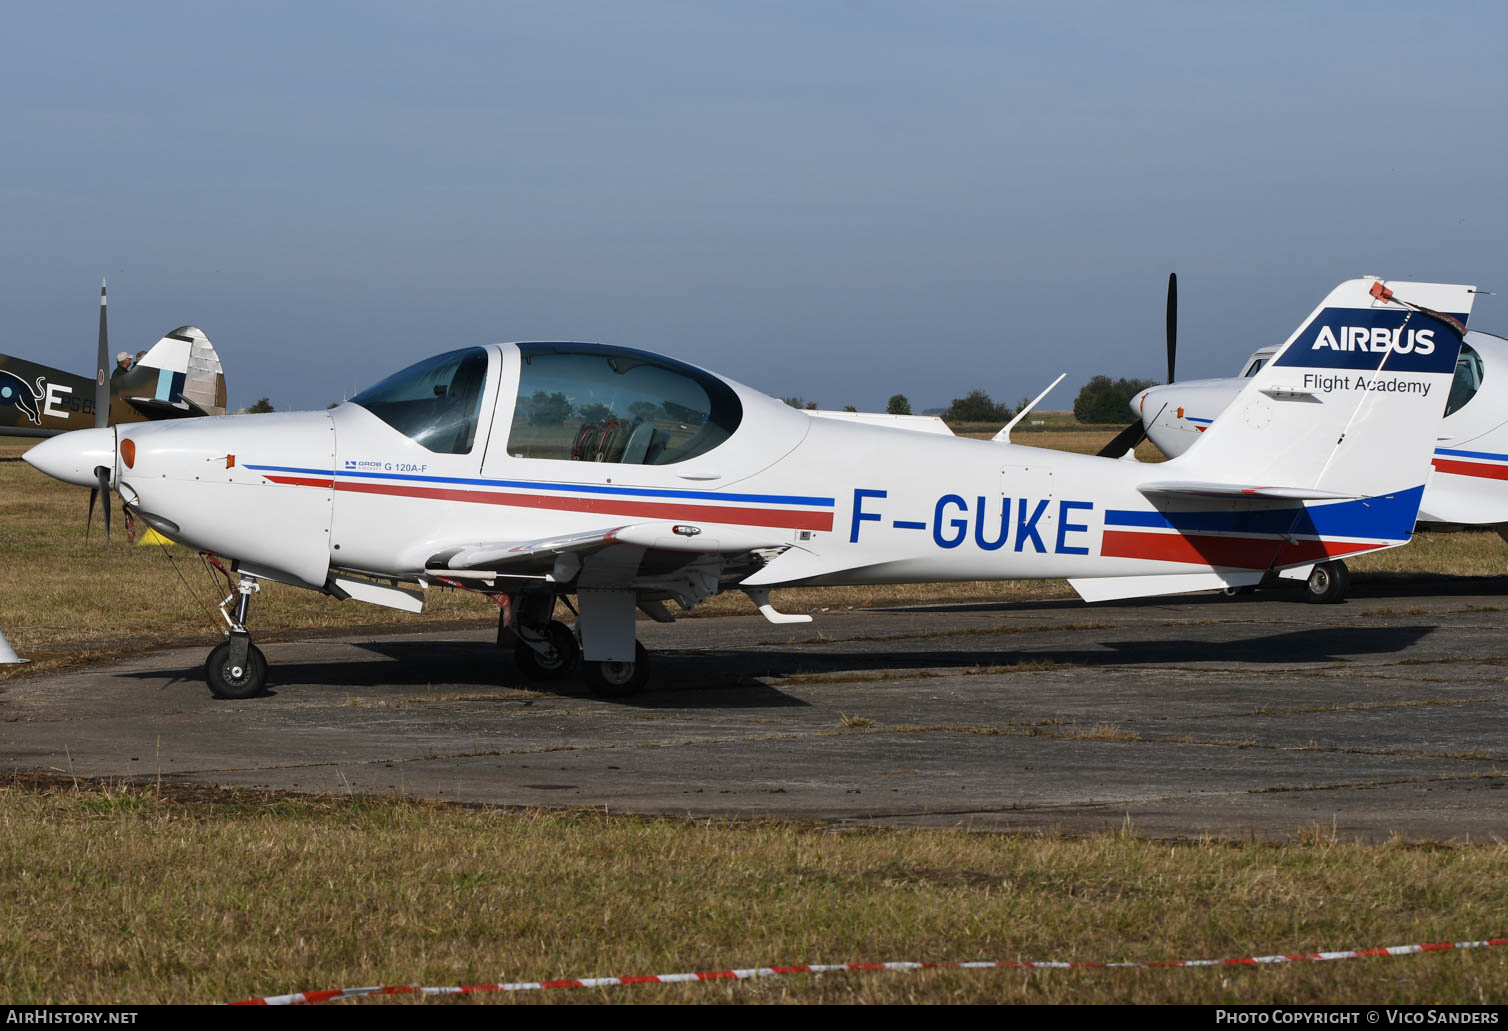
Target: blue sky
(839, 200)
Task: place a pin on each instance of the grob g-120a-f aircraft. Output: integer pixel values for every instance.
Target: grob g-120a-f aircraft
(629, 480)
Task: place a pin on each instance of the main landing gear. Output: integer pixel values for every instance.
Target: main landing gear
(237, 668)
(617, 679)
(1328, 583)
(545, 649)
(550, 653)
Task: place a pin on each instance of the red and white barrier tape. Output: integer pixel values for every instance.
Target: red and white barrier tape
(836, 968)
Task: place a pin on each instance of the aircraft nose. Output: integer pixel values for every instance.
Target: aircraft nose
(72, 457)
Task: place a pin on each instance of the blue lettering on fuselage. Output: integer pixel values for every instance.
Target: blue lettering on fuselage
(1026, 529)
(859, 515)
(992, 526)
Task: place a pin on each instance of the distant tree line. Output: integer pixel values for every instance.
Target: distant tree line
(1106, 400)
(1101, 400)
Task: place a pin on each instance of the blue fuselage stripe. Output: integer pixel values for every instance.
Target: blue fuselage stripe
(579, 488)
(1471, 454)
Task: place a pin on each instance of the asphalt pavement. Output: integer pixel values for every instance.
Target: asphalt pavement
(1249, 717)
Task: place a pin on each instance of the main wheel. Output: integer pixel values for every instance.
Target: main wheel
(228, 681)
(1328, 583)
(555, 664)
(617, 679)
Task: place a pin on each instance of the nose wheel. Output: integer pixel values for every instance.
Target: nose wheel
(236, 669)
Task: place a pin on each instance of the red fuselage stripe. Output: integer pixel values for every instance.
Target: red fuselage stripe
(604, 506)
(1491, 472)
(1226, 552)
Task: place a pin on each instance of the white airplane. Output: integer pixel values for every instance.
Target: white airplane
(536, 471)
(1469, 486)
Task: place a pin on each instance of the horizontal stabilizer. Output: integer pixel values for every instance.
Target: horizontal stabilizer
(1236, 490)
(155, 409)
(1118, 588)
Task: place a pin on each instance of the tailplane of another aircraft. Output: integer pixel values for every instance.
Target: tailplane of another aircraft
(178, 377)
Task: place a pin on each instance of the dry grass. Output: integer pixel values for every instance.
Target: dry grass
(124, 894)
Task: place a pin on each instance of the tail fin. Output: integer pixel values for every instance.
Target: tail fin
(189, 376)
(1349, 406)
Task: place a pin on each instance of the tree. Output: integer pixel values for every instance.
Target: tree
(976, 407)
(794, 402)
(898, 405)
(1106, 400)
(549, 409)
(261, 405)
(849, 408)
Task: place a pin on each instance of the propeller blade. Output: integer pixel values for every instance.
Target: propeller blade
(89, 524)
(102, 473)
(1172, 321)
(102, 373)
(1124, 441)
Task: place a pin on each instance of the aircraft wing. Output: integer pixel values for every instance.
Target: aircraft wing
(1241, 491)
(524, 556)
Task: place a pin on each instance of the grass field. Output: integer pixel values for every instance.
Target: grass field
(142, 896)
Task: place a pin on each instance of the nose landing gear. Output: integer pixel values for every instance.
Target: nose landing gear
(237, 668)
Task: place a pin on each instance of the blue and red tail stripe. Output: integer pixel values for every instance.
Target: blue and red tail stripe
(1481, 464)
(1261, 538)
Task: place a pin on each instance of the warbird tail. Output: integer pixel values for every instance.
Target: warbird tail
(1347, 409)
(186, 378)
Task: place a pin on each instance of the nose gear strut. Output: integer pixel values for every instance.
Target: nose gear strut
(237, 668)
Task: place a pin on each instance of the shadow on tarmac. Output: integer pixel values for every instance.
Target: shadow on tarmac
(1365, 587)
(702, 679)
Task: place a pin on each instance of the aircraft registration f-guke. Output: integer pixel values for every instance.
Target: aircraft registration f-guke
(177, 377)
(539, 470)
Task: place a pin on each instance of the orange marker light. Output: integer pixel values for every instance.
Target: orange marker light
(128, 452)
